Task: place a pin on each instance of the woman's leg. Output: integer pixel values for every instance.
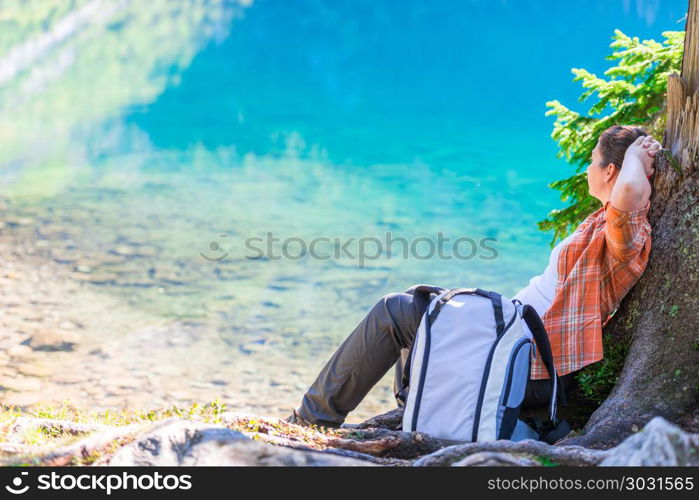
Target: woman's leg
(364, 357)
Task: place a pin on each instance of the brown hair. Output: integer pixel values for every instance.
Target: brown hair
(614, 142)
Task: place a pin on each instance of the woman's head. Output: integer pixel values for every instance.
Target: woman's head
(607, 157)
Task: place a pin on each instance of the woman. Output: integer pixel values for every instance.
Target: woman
(588, 274)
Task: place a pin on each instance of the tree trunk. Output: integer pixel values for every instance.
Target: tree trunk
(660, 316)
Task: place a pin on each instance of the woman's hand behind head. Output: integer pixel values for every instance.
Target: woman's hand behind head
(644, 148)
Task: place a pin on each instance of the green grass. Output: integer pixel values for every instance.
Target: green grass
(597, 380)
(257, 428)
(546, 461)
(209, 413)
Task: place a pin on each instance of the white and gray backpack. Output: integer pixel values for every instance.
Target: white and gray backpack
(468, 369)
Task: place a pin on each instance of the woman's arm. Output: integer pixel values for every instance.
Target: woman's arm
(632, 188)
(627, 230)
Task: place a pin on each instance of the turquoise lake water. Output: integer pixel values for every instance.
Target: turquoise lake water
(144, 135)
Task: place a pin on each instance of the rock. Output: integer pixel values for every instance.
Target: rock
(20, 352)
(177, 442)
(53, 340)
(34, 370)
(22, 399)
(63, 256)
(94, 390)
(123, 250)
(135, 251)
(69, 325)
(29, 315)
(97, 278)
(494, 458)
(129, 383)
(68, 378)
(659, 443)
(20, 384)
(19, 221)
(148, 251)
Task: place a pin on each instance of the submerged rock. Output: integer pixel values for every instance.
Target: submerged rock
(18, 221)
(20, 352)
(53, 340)
(20, 384)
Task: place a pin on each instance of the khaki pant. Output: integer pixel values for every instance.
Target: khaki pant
(382, 339)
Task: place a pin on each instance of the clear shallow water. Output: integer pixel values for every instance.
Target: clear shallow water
(141, 137)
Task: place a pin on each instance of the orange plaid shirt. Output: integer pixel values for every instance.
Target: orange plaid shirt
(604, 259)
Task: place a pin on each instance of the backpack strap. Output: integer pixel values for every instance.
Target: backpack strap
(496, 299)
(425, 290)
(536, 326)
(405, 375)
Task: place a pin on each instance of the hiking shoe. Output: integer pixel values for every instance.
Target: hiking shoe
(294, 418)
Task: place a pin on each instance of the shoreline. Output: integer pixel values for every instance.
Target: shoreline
(67, 340)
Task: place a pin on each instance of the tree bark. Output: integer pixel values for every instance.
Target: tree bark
(660, 316)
